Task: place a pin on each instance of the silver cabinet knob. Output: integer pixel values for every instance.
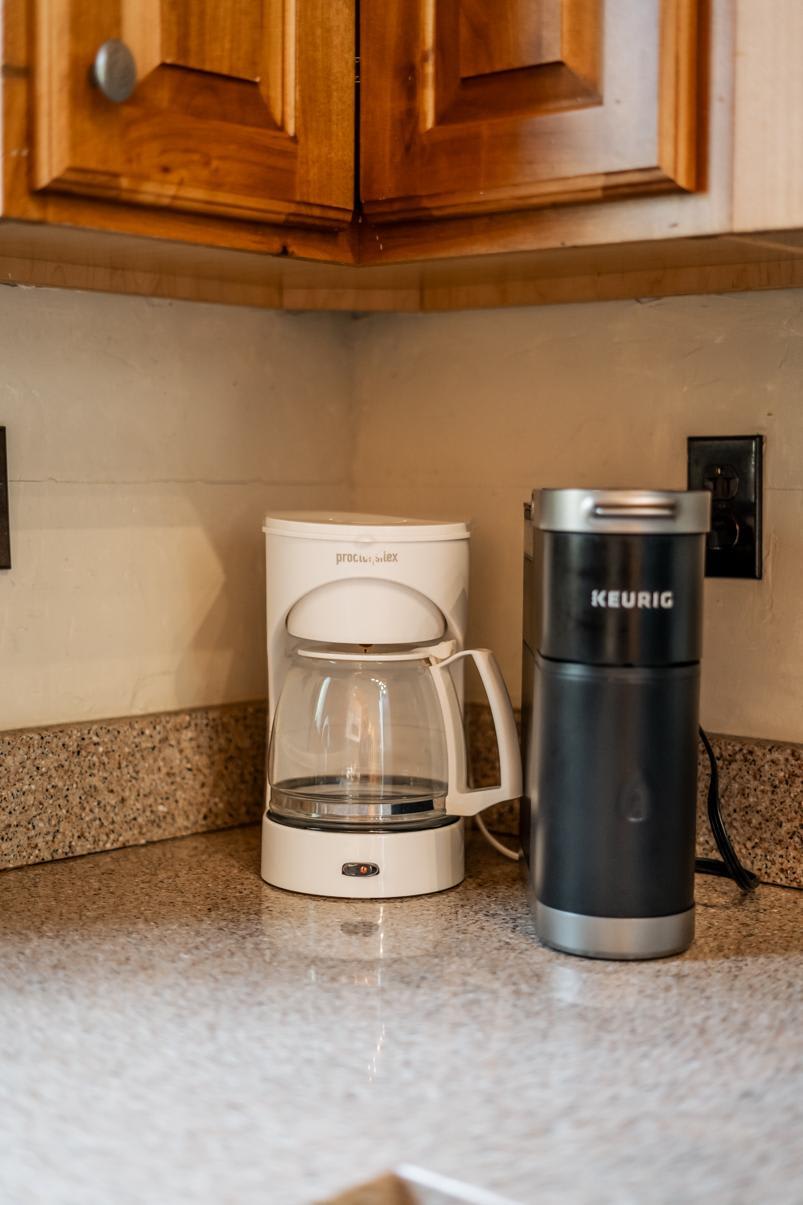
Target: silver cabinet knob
(114, 71)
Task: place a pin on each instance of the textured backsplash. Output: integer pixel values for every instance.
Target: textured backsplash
(81, 788)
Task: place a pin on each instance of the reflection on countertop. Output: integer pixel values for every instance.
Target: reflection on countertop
(175, 1030)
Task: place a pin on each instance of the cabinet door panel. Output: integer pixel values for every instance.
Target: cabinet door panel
(242, 107)
(470, 106)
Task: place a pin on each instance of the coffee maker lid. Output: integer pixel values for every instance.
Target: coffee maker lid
(622, 511)
(438, 651)
(361, 528)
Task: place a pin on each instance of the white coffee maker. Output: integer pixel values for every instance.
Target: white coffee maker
(367, 767)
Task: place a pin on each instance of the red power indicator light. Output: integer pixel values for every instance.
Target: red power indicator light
(359, 870)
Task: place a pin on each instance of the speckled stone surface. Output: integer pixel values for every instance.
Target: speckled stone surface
(761, 790)
(79, 788)
(174, 1030)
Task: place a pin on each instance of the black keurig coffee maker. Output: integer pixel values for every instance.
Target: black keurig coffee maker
(613, 594)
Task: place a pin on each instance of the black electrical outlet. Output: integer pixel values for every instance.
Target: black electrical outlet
(730, 466)
(5, 533)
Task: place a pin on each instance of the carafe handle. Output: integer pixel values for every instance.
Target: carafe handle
(461, 800)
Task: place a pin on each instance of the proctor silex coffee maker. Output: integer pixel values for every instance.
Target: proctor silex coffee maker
(613, 594)
(367, 768)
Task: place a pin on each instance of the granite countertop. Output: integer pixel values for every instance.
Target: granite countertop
(174, 1030)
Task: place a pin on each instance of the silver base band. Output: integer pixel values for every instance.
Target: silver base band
(617, 937)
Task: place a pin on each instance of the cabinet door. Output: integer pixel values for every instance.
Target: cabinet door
(472, 106)
(243, 108)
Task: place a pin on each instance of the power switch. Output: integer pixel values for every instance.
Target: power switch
(360, 870)
(730, 467)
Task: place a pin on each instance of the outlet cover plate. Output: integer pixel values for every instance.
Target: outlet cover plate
(731, 467)
(5, 526)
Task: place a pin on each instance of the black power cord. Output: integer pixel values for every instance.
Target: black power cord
(730, 867)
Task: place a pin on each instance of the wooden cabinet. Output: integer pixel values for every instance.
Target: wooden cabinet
(476, 106)
(243, 108)
(490, 134)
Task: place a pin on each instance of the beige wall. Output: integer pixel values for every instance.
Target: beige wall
(146, 440)
(463, 414)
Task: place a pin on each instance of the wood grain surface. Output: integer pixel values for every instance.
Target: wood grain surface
(731, 126)
(593, 101)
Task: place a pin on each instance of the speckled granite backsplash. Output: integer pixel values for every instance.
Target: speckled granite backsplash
(81, 788)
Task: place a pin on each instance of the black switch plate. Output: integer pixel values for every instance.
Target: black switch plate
(5, 534)
(731, 467)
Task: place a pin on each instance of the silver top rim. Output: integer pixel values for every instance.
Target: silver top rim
(622, 512)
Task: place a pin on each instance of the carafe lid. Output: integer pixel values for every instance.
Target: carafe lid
(438, 651)
(622, 512)
(362, 529)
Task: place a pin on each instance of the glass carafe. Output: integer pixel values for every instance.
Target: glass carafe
(375, 740)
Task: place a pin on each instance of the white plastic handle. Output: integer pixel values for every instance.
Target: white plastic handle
(460, 799)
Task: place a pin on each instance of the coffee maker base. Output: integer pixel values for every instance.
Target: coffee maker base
(354, 865)
(614, 937)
